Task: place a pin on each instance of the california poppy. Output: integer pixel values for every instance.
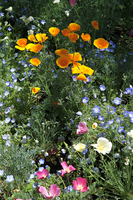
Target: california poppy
(63, 61)
(35, 90)
(21, 44)
(61, 52)
(75, 57)
(54, 31)
(95, 25)
(85, 37)
(101, 43)
(73, 37)
(65, 32)
(81, 70)
(31, 37)
(73, 27)
(35, 61)
(34, 47)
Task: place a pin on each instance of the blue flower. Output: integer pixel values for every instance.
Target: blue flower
(96, 110)
(7, 120)
(88, 161)
(7, 83)
(1, 172)
(70, 188)
(117, 101)
(101, 117)
(41, 161)
(88, 80)
(1, 104)
(96, 169)
(9, 178)
(131, 119)
(128, 91)
(43, 22)
(84, 151)
(110, 122)
(130, 114)
(6, 93)
(117, 155)
(85, 100)
(79, 113)
(111, 110)
(102, 87)
(81, 45)
(126, 113)
(120, 129)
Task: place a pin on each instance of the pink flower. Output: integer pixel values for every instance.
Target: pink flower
(53, 191)
(131, 34)
(43, 174)
(66, 168)
(82, 128)
(72, 2)
(81, 184)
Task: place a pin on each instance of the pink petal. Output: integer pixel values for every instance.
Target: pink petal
(75, 185)
(43, 191)
(64, 165)
(71, 168)
(82, 128)
(84, 189)
(54, 190)
(72, 2)
(82, 181)
(63, 172)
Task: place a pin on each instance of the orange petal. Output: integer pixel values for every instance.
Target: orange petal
(34, 47)
(22, 42)
(20, 48)
(54, 31)
(74, 27)
(61, 52)
(65, 32)
(31, 37)
(95, 25)
(35, 61)
(86, 70)
(63, 61)
(73, 37)
(77, 57)
(41, 37)
(101, 43)
(85, 37)
(81, 77)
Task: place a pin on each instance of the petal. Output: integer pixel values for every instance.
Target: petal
(75, 70)
(81, 77)
(65, 32)
(77, 57)
(75, 185)
(43, 191)
(22, 42)
(73, 37)
(101, 43)
(82, 181)
(61, 52)
(74, 27)
(54, 190)
(20, 48)
(63, 61)
(31, 37)
(64, 165)
(71, 168)
(54, 31)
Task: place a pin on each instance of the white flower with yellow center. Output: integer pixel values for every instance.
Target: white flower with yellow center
(94, 125)
(103, 145)
(79, 147)
(130, 134)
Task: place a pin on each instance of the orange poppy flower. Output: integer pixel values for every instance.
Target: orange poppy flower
(65, 32)
(35, 61)
(101, 43)
(74, 27)
(54, 31)
(85, 37)
(73, 37)
(34, 47)
(95, 25)
(63, 61)
(31, 37)
(61, 52)
(21, 44)
(75, 57)
(35, 90)
(81, 70)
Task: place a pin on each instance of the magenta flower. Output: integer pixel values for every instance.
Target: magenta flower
(131, 34)
(81, 184)
(66, 168)
(72, 2)
(53, 191)
(43, 174)
(82, 128)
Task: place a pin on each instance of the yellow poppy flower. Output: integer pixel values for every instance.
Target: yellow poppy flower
(81, 70)
(63, 61)
(95, 25)
(54, 31)
(21, 44)
(101, 43)
(34, 47)
(31, 37)
(35, 90)
(73, 27)
(35, 61)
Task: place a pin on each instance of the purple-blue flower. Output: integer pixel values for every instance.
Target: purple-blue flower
(102, 87)
(85, 100)
(117, 101)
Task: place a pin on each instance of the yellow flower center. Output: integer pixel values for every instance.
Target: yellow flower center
(100, 148)
(80, 187)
